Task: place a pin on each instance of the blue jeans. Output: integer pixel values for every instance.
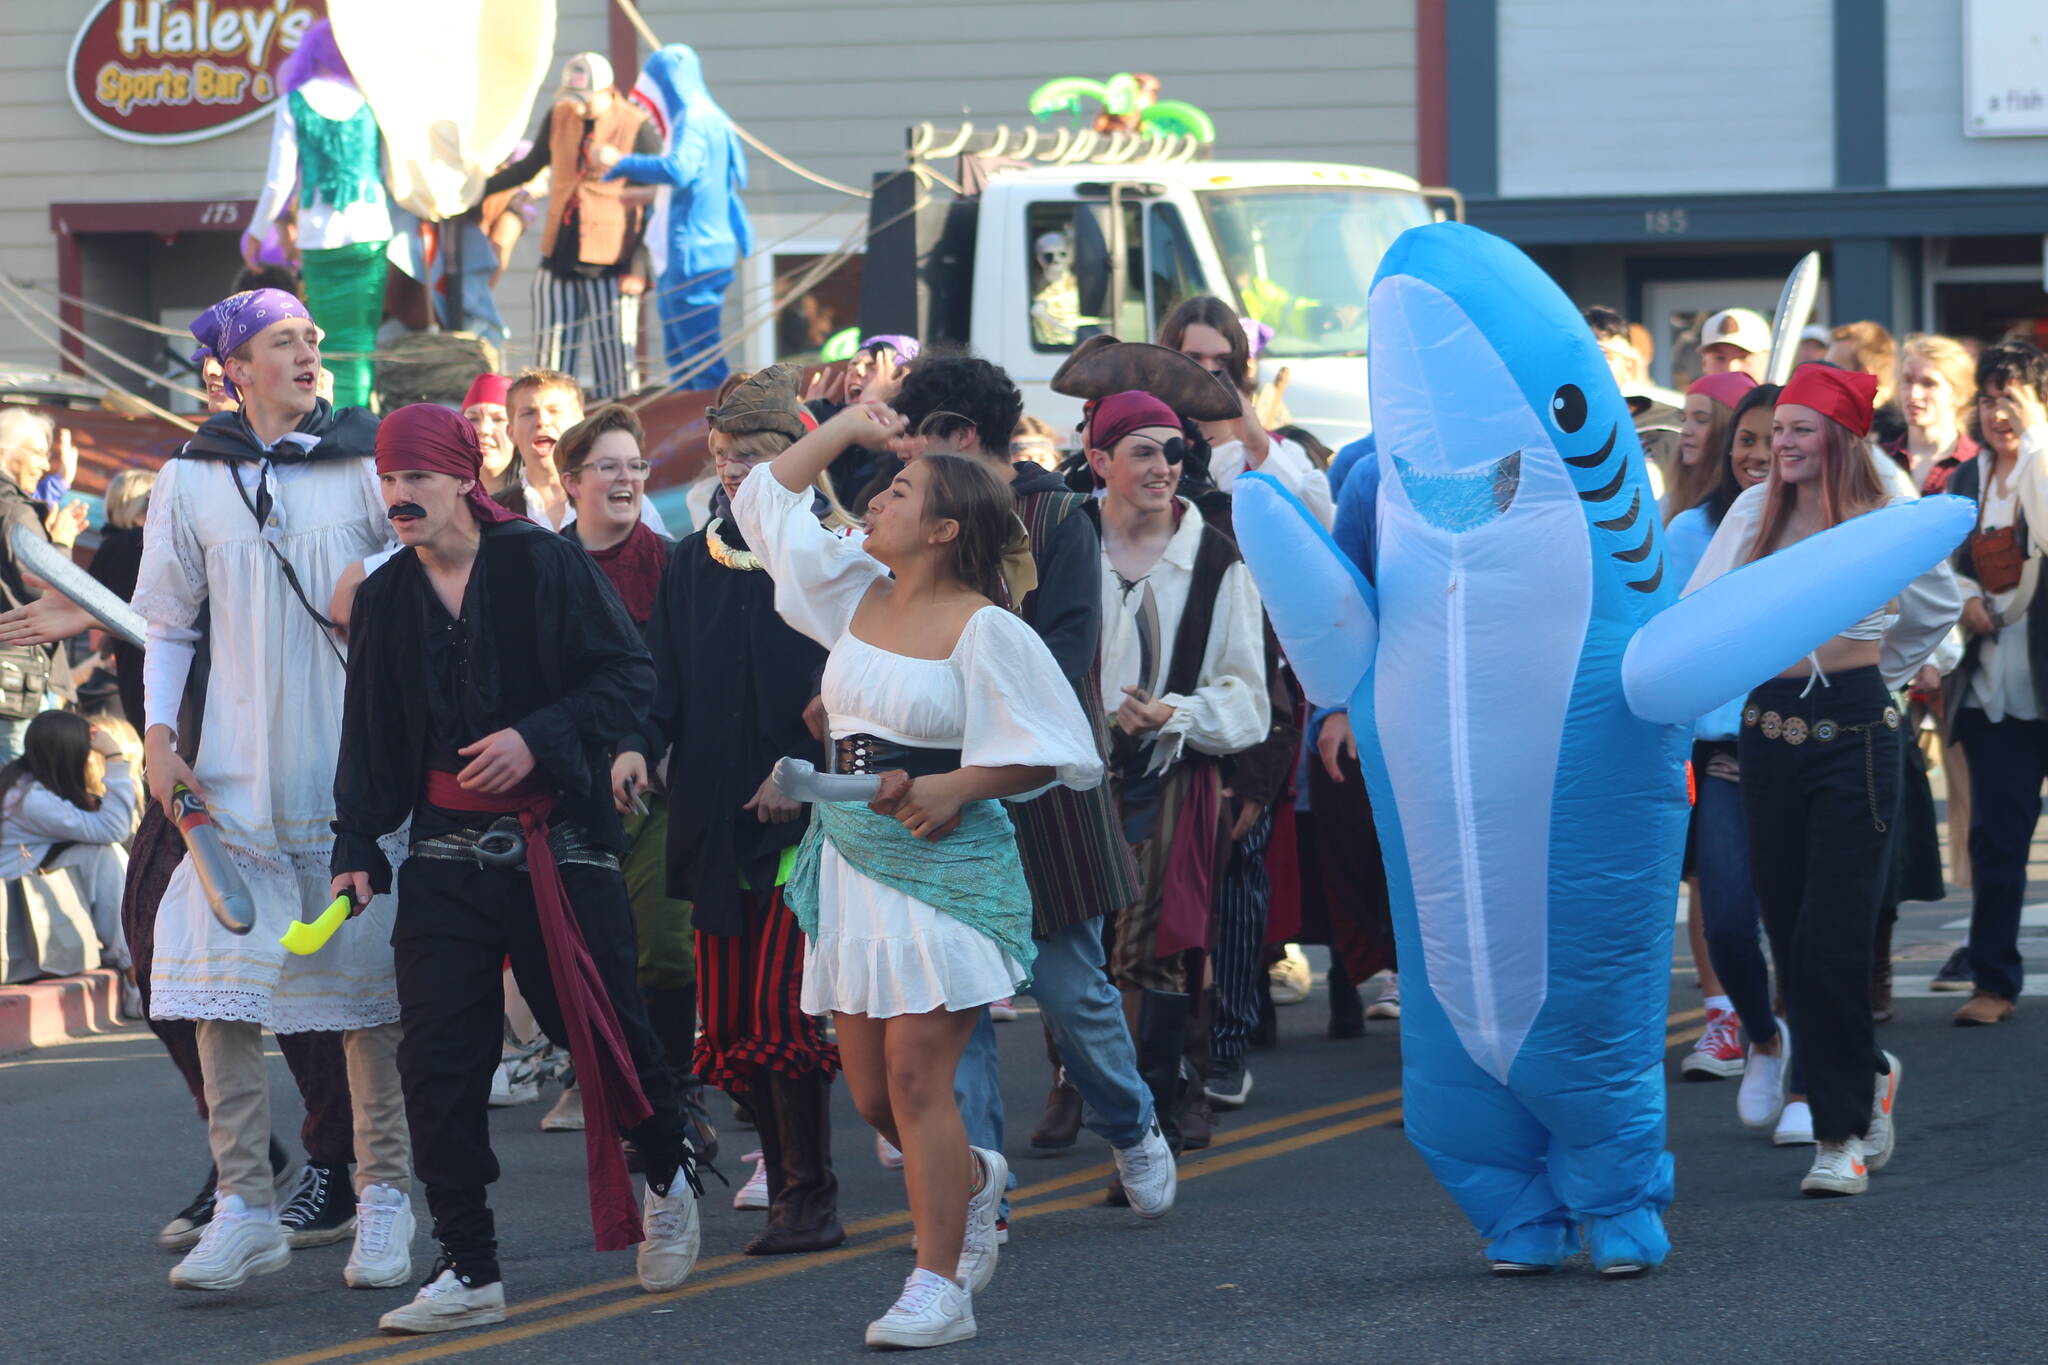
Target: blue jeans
(13, 734)
(1728, 908)
(1087, 1019)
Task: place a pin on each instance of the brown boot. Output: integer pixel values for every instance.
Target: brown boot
(1985, 1007)
(1061, 1124)
(803, 1209)
(1881, 972)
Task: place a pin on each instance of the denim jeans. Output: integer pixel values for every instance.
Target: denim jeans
(13, 733)
(1087, 1019)
(1728, 906)
(2008, 759)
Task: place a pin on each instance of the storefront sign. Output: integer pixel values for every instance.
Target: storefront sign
(167, 71)
(2005, 68)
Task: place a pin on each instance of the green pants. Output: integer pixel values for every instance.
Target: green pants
(345, 294)
(668, 953)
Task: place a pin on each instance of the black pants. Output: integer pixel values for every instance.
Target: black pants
(1820, 813)
(457, 923)
(2008, 759)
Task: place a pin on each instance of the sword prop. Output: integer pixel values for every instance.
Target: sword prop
(305, 938)
(1795, 309)
(39, 557)
(227, 895)
(799, 780)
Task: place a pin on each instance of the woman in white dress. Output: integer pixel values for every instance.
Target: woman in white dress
(915, 906)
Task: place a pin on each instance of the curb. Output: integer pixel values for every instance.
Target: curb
(39, 1013)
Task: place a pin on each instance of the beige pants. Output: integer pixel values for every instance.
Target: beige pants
(238, 1104)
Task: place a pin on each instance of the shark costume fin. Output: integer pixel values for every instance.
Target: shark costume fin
(1754, 623)
(1323, 610)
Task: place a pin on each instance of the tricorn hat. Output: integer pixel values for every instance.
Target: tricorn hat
(1102, 365)
(765, 401)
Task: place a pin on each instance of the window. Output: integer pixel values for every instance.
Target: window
(803, 325)
(1302, 258)
(1170, 258)
(1070, 274)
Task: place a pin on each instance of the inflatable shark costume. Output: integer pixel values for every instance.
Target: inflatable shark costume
(698, 230)
(1522, 679)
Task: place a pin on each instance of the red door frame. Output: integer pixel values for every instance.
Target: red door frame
(164, 217)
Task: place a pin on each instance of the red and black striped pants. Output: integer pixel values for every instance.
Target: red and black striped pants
(749, 992)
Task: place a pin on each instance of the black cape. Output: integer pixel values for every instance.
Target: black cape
(734, 680)
(344, 433)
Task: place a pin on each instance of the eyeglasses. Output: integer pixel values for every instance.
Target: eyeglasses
(611, 469)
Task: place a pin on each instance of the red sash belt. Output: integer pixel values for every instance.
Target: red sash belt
(612, 1099)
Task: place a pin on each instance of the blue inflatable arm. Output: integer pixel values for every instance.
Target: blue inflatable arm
(1321, 607)
(1754, 623)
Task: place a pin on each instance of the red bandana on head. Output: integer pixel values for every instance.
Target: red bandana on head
(1112, 418)
(426, 436)
(1725, 388)
(1845, 396)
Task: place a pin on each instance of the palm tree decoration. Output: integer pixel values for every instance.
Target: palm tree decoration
(1130, 104)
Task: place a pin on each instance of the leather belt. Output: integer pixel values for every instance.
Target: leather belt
(866, 755)
(502, 844)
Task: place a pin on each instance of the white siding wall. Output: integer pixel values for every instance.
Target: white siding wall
(1925, 146)
(1632, 97)
(832, 85)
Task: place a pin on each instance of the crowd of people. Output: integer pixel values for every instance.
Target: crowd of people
(923, 713)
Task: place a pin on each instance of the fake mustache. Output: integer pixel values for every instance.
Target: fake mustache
(405, 509)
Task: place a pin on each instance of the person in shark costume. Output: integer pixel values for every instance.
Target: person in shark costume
(699, 228)
(1522, 678)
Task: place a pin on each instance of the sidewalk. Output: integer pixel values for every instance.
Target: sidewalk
(39, 1013)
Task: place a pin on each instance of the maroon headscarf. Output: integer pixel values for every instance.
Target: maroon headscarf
(427, 436)
(1112, 418)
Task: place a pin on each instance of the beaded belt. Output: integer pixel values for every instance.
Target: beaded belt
(1795, 730)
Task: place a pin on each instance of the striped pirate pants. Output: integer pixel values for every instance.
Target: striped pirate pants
(571, 316)
(749, 993)
(1237, 956)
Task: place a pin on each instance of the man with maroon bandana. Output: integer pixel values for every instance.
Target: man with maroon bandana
(493, 672)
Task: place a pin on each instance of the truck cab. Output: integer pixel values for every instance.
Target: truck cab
(1041, 257)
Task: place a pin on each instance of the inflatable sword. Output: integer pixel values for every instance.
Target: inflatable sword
(39, 557)
(226, 893)
(799, 780)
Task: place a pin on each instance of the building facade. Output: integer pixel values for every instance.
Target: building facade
(150, 231)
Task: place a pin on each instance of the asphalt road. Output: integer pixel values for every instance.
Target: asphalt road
(1310, 1231)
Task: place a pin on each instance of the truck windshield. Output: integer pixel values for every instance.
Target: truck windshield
(1302, 258)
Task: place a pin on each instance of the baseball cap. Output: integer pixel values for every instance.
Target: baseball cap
(1736, 327)
(584, 74)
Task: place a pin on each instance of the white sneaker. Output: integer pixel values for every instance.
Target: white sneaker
(753, 1194)
(931, 1311)
(1883, 1136)
(1148, 1174)
(668, 1224)
(1291, 977)
(1838, 1168)
(887, 1153)
(567, 1115)
(979, 1249)
(382, 1258)
(445, 1304)
(1795, 1125)
(238, 1242)
(1004, 1011)
(1388, 1005)
(506, 1092)
(1762, 1096)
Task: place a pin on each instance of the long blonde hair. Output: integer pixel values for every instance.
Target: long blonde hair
(1849, 486)
(1693, 482)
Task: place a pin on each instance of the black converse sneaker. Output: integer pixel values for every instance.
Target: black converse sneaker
(321, 1208)
(182, 1232)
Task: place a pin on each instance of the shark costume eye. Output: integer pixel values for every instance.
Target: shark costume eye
(1568, 408)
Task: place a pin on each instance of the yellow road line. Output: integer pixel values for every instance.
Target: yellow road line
(1022, 1205)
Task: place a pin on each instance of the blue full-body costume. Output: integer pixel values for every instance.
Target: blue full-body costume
(1521, 677)
(698, 230)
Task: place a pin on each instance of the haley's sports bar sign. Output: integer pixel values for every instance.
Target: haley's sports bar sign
(181, 70)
